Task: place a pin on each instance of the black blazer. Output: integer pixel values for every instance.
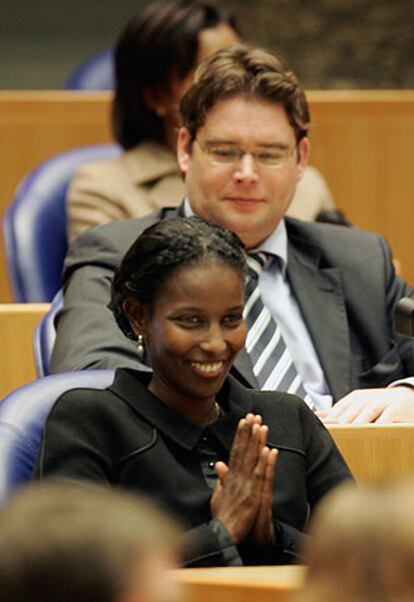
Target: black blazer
(125, 436)
(343, 279)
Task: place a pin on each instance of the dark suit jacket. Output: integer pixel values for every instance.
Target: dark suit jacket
(343, 279)
(125, 436)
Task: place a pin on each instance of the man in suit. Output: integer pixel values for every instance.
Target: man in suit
(331, 290)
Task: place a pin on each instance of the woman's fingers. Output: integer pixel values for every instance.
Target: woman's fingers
(245, 484)
(250, 437)
(263, 527)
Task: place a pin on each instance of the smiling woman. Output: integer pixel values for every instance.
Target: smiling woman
(188, 434)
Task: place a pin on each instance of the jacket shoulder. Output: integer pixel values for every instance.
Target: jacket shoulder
(105, 245)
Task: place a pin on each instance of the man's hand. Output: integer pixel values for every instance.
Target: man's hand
(382, 406)
(238, 500)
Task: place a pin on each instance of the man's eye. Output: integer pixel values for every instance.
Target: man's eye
(271, 157)
(224, 153)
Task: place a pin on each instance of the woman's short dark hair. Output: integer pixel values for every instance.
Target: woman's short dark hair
(241, 70)
(160, 41)
(165, 248)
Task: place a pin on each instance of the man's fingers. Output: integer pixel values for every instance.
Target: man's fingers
(364, 406)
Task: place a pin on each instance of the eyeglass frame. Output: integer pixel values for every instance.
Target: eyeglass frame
(241, 153)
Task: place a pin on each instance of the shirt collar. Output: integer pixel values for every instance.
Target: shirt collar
(188, 212)
(276, 245)
(131, 386)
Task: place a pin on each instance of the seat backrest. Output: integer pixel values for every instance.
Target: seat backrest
(95, 73)
(44, 337)
(23, 415)
(35, 224)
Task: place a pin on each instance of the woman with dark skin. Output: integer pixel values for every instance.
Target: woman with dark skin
(188, 434)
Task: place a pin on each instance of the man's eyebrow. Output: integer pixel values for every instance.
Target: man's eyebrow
(225, 141)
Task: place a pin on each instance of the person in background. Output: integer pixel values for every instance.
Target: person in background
(155, 57)
(188, 434)
(65, 542)
(328, 292)
(362, 546)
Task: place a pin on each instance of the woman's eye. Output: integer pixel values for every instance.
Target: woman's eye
(188, 320)
(233, 319)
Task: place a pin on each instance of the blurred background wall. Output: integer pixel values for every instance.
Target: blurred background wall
(329, 43)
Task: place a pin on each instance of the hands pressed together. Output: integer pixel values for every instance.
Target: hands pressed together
(242, 498)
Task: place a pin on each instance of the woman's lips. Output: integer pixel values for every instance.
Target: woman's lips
(208, 369)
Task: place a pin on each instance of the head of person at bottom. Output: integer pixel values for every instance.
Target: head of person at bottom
(66, 542)
(155, 57)
(243, 145)
(362, 549)
(179, 291)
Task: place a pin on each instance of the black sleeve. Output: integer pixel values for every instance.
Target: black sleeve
(82, 441)
(76, 441)
(326, 468)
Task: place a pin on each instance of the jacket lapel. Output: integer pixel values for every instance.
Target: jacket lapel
(243, 370)
(320, 297)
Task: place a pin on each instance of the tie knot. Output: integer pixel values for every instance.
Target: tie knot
(256, 263)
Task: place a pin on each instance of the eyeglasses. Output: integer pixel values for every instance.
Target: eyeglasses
(222, 154)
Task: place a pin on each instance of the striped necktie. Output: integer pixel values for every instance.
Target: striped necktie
(272, 363)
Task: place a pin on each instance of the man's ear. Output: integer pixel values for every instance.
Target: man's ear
(184, 149)
(137, 314)
(303, 156)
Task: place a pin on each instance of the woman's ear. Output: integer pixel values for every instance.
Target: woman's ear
(137, 315)
(156, 100)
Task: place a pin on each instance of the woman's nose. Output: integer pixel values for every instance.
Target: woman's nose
(214, 342)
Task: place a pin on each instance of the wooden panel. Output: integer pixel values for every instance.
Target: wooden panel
(376, 452)
(35, 126)
(244, 584)
(17, 323)
(361, 142)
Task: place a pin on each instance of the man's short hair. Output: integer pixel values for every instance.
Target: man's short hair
(241, 70)
(76, 542)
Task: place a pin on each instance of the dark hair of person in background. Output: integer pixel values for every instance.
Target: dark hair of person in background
(246, 71)
(68, 542)
(164, 248)
(158, 44)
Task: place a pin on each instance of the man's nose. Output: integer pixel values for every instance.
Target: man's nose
(246, 170)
